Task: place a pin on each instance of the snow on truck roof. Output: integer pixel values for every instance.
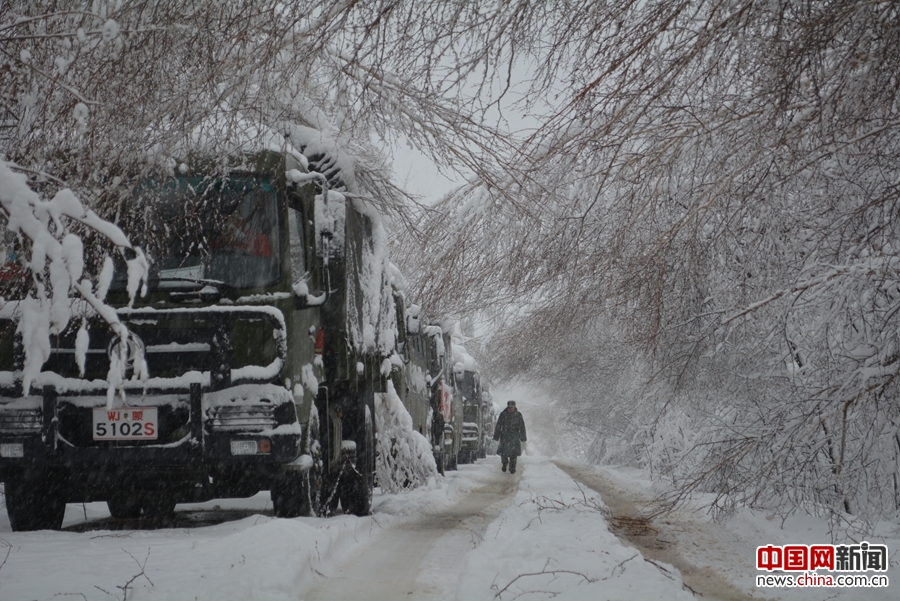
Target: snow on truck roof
(462, 360)
(229, 132)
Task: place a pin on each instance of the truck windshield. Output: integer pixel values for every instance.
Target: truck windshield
(212, 231)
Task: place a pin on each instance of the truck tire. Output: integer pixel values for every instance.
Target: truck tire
(298, 493)
(313, 480)
(439, 462)
(291, 495)
(34, 504)
(450, 461)
(330, 496)
(159, 508)
(359, 485)
(124, 507)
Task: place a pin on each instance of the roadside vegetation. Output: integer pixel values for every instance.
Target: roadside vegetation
(681, 217)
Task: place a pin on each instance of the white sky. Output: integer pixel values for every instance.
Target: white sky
(417, 174)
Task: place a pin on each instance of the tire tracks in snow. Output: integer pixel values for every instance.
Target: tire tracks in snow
(420, 559)
(663, 540)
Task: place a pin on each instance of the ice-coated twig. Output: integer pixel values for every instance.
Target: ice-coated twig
(544, 573)
(8, 551)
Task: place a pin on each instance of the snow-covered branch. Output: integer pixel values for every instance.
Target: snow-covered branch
(56, 263)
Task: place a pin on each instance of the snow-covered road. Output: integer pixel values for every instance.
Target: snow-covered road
(477, 534)
(423, 558)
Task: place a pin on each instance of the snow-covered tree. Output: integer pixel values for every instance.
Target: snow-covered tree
(718, 179)
(712, 182)
(98, 96)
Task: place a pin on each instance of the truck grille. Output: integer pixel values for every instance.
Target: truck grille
(218, 346)
(20, 421)
(254, 418)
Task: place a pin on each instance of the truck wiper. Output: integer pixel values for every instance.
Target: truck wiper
(198, 281)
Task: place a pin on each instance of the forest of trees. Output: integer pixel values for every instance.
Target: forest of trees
(693, 238)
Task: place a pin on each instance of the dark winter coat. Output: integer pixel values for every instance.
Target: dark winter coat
(510, 431)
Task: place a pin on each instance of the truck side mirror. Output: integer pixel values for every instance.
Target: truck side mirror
(304, 300)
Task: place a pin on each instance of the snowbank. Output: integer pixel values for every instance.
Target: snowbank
(549, 539)
(404, 459)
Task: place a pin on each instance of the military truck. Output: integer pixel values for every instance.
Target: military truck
(245, 373)
(414, 373)
(489, 419)
(469, 383)
(450, 400)
(424, 383)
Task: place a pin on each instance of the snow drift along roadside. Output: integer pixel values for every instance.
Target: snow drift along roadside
(257, 558)
(405, 458)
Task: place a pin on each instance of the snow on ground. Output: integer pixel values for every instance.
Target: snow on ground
(553, 541)
(547, 537)
(726, 549)
(257, 557)
(549, 525)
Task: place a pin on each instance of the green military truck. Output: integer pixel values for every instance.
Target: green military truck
(246, 371)
(424, 382)
(488, 421)
(449, 399)
(472, 446)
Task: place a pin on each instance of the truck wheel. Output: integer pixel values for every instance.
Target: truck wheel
(124, 507)
(33, 504)
(311, 491)
(450, 461)
(358, 488)
(439, 461)
(287, 496)
(159, 508)
(298, 493)
(329, 497)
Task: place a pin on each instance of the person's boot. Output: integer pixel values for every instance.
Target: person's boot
(503, 466)
(512, 465)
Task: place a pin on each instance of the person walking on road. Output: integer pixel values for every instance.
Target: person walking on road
(510, 431)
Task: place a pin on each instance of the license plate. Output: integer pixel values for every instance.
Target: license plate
(125, 424)
(13, 450)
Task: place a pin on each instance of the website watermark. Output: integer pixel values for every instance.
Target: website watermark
(801, 566)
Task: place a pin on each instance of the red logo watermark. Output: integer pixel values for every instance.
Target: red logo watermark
(863, 557)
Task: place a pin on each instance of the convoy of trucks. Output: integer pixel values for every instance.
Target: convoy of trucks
(426, 384)
(250, 362)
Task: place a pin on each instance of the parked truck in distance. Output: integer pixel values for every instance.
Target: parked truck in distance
(468, 381)
(472, 440)
(245, 371)
(424, 381)
(488, 421)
